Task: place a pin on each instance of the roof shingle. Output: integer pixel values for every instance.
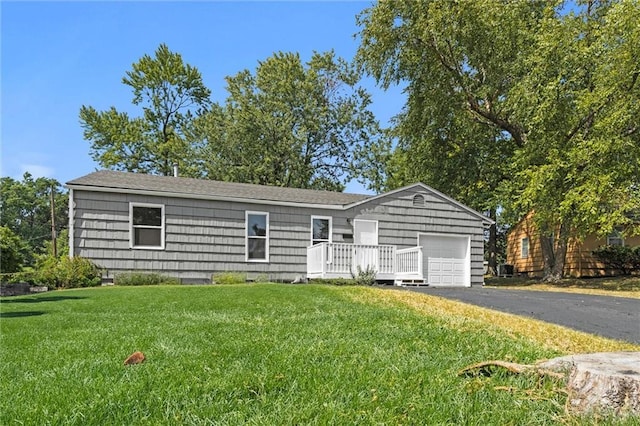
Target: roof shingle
(211, 188)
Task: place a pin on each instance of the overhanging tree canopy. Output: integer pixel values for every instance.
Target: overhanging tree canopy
(558, 91)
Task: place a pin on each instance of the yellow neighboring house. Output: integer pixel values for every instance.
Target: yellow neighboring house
(525, 253)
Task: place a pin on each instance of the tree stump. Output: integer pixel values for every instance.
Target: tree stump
(606, 381)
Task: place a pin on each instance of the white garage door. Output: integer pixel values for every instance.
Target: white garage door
(446, 260)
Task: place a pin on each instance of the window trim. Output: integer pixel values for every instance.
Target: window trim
(246, 237)
(330, 219)
(132, 227)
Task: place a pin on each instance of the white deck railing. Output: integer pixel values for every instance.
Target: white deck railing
(409, 263)
(342, 260)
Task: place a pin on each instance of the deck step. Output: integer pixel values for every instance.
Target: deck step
(407, 282)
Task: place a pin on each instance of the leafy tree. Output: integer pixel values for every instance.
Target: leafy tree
(171, 94)
(291, 124)
(556, 94)
(12, 251)
(26, 210)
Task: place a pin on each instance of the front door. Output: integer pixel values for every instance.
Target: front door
(365, 251)
(365, 232)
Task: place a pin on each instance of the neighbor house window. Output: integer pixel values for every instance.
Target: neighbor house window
(146, 225)
(257, 243)
(615, 239)
(320, 229)
(524, 248)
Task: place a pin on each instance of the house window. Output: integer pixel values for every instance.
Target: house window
(320, 229)
(615, 239)
(524, 248)
(418, 200)
(146, 226)
(257, 244)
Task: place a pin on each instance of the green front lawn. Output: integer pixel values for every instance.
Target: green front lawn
(256, 354)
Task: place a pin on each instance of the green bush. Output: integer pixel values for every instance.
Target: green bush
(26, 276)
(365, 276)
(67, 272)
(229, 278)
(333, 281)
(621, 258)
(635, 259)
(144, 278)
(12, 251)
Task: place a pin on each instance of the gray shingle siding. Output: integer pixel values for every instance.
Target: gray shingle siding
(206, 235)
(399, 223)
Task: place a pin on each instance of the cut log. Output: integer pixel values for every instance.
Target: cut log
(601, 382)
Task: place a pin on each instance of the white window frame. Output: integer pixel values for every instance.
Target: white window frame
(615, 235)
(247, 237)
(328, 218)
(132, 227)
(524, 254)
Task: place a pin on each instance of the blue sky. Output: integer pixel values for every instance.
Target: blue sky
(58, 56)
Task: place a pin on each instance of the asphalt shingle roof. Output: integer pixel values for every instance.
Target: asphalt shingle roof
(210, 188)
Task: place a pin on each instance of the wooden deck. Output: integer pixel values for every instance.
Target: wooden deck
(341, 260)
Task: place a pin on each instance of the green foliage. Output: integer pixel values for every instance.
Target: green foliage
(26, 276)
(366, 276)
(67, 272)
(293, 124)
(171, 95)
(143, 278)
(288, 124)
(12, 251)
(524, 107)
(26, 210)
(229, 278)
(333, 281)
(620, 258)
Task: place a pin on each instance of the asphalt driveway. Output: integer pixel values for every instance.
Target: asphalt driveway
(613, 317)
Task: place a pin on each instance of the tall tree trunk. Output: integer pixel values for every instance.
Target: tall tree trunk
(554, 254)
(492, 246)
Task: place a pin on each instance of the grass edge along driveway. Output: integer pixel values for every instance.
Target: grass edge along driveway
(266, 354)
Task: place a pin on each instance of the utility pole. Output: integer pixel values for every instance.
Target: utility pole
(54, 244)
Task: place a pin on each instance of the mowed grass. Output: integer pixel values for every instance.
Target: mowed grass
(624, 286)
(263, 354)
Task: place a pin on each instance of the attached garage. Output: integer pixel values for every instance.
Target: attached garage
(446, 259)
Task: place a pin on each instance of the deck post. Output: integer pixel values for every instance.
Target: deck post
(323, 260)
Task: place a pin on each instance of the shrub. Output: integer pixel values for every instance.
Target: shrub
(635, 259)
(144, 278)
(12, 251)
(621, 258)
(229, 278)
(67, 272)
(26, 276)
(333, 281)
(365, 276)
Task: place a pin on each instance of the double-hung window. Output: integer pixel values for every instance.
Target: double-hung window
(320, 229)
(257, 236)
(615, 239)
(524, 248)
(146, 223)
